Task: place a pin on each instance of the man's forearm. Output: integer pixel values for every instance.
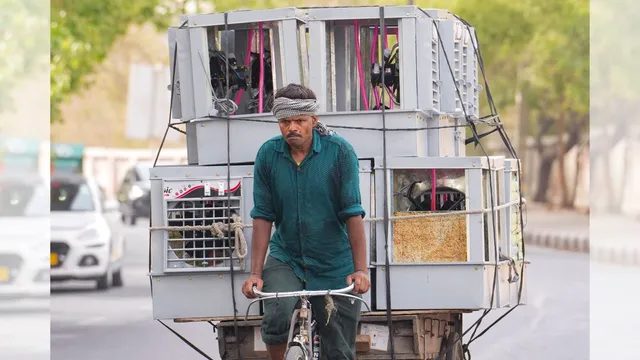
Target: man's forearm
(259, 245)
(355, 230)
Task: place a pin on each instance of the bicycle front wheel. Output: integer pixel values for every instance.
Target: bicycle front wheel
(295, 353)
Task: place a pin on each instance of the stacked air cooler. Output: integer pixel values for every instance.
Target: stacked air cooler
(413, 89)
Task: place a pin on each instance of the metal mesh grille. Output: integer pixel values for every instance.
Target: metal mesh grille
(200, 249)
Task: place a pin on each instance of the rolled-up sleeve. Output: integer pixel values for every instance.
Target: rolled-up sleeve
(350, 198)
(262, 199)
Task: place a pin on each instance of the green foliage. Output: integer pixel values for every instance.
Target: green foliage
(23, 43)
(82, 34)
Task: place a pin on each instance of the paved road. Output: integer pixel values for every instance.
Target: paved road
(24, 335)
(118, 324)
(555, 324)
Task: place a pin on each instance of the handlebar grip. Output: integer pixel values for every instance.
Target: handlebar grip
(256, 291)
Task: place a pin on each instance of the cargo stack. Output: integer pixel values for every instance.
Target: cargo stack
(451, 217)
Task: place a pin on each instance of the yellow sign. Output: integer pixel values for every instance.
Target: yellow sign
(4, 274)
(54, 259)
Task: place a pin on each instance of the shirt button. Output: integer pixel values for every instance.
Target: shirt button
(298, 168)
(299, 191)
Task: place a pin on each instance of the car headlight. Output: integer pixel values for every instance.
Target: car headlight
(89, 234)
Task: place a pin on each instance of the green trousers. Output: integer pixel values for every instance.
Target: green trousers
(338, 336)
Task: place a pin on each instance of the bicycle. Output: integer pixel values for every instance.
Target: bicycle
(300, 346)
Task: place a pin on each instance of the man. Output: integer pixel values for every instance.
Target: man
(307, 182)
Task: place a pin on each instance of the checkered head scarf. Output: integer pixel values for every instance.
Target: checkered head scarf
(284, 108)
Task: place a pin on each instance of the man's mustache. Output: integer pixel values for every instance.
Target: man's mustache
(293, 135)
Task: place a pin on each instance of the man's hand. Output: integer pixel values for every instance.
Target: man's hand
(247, 287)
(361, 280)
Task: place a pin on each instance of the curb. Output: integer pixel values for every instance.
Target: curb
(626, 256)
(574, 243)
(622, 255)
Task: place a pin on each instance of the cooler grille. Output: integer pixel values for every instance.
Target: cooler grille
(201, 249)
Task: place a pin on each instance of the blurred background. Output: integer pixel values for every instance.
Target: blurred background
(99, 107)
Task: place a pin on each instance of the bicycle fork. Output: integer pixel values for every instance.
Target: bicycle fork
(304, 337)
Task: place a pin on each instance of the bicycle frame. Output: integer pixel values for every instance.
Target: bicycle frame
(303, 316)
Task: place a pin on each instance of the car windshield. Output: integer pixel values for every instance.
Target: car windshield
(23, 199)
(71, 197)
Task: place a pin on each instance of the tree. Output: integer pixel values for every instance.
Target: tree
(82, 33)
(23, 45)
(537, 48)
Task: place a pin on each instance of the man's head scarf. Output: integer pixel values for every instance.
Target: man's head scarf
(285, 108)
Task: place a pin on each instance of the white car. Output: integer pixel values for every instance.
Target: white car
(24, 236)
(84, 245)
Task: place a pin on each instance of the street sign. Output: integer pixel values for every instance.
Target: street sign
(148, 103)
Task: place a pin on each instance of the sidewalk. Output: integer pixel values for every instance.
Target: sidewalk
(608, 238)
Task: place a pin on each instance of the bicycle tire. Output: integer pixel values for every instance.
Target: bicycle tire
(295, 353)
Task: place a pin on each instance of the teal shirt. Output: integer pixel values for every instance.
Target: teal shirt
(309, 204)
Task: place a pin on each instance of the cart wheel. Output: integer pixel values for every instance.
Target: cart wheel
(294, 353)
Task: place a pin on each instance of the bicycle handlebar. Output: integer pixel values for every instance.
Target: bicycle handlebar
(303, 292)
(341, 292)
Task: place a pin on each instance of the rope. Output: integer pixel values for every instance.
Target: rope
(217, 229)
(241, 245)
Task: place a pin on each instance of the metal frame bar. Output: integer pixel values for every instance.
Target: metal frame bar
(240, 19)
(348, 13)
(186, 79)
(470, 162)
(471, 75)
(475, 222)
(511, 167)
(202, 97)
(290, 52)
(427, 91)
(319, 79)
(172, 38)
(448, 94)
(408, 63)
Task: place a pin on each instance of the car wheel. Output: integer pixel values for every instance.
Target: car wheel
(117, 278)
(104, 281)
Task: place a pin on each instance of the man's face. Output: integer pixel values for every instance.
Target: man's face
(298, 130)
